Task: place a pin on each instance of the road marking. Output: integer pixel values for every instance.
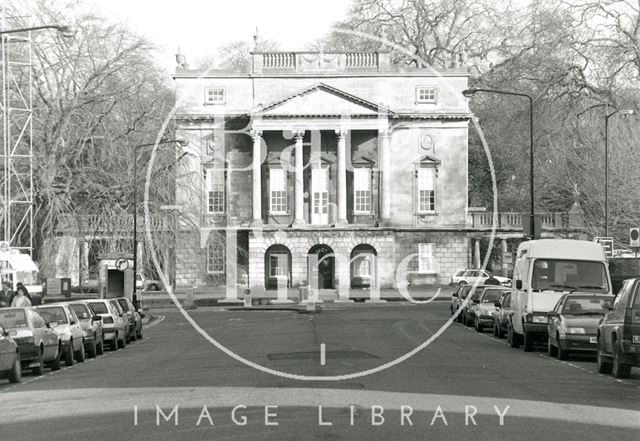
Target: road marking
(25, 406)
(323, 356)
(159, 319)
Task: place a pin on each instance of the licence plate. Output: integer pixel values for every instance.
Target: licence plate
(593, 340)
(636, 339)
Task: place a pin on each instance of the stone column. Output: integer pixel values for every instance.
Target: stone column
(299, 184)
(342, 176)
(257, 178)
(476, 253)
(385, 176)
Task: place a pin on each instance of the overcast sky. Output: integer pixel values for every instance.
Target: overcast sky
(200, 26)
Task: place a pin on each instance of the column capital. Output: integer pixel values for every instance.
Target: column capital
(342, 133)
(255, 133)
(298, 133)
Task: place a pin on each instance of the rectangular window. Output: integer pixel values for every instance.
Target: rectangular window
(214, 95)
(426, 257)
(279, 264)
(362, 190)
(215, 190)
(426, 94)
(278, 191)
(426, 190)
(215, 258)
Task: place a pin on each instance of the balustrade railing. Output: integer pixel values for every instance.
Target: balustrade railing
(507, 220)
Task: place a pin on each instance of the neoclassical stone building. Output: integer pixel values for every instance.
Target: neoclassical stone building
(339, 157)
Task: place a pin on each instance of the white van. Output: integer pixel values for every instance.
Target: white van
(19, 267)
(544, 271)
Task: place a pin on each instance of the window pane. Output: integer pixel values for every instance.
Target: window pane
(216, 258)
(278, 188)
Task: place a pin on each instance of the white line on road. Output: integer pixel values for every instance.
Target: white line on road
(158, 320)
(323, 357)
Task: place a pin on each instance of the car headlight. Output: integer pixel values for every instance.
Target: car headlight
(576, 331)
(537, 318)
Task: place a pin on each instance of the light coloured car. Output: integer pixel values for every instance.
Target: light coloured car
(113, 323)
(502, 315)
(487, 307)
(65, 323)
(91, 327)
(145, 284)
(472, 276)
(37, 342)
(10, 366)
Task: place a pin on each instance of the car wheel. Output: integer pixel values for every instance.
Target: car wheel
(55, 363)
(513, 338)
(114, 343)
(92, 348)
(68, 358)
(140, 333)
(619, 369)
(477, 325)
(122, 343)
(133, 334)
(152, 287)
(15, 376)
(604, 363)
(527, 341)
(80, 355)
(552, 350)
(40, 367)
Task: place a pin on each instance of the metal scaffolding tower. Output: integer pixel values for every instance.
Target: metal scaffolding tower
(16, 179)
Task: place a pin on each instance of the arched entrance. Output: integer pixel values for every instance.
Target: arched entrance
(363, 266)
(277, 267)
(324, 272)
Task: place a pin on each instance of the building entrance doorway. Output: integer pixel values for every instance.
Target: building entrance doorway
(324, 272)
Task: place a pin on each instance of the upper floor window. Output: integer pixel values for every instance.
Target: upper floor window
(215, 190)
(362, 190)
(215, 258)
(426, 189)
(278, 191)
(214, 95)
(426, 257)
(426, 95)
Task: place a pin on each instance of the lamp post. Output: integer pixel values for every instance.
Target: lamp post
(64, 30)
(181, 143)
(606, 164)
(469, 93)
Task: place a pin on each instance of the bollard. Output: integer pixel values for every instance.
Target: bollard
(247, 298)
(189, 301)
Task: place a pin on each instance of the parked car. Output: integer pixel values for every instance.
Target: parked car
(472, 276)
(113, 323)
(91, 327)
(487, 307)
(573, 323)
(619, 332)
(455, 298)
(135, 318)
(38, 344)
(10, 366)
(462, 295)
(502, 315)
(145, 284)
(469, 312)
(65, 323)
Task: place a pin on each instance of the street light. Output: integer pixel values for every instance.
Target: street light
(469, 93)
(181, 143)
(606, 164)
(64, 30)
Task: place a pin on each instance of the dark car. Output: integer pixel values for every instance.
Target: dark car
(502, 315)
(573, 323)
(469, 311)
(619, 332)
(38, 343)
(10, 366)
(134, 317)
(462, 294)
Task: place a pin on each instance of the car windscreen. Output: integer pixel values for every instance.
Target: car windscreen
(99, 308)
(53, 314)
(13, 319)
(81, 311)
(569, 275)
(476, 294)
(585, 305)
(123, 304)
(465, 292)
(491, 295)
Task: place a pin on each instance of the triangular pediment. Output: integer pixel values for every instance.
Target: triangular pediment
(321, 100)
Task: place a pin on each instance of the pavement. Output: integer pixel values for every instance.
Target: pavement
(185, 380)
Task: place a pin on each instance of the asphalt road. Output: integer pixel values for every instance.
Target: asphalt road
(455, 388)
